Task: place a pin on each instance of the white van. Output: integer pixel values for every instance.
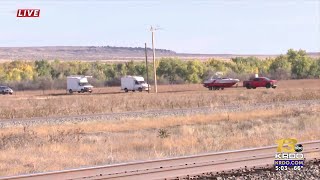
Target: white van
(78, 84)
(134, 83)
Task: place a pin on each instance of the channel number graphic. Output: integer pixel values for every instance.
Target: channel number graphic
(292, 147)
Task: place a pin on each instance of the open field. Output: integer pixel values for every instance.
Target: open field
(57, 147)
(29, 104)
(45, 147)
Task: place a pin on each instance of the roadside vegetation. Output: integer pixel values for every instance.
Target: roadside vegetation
(43, 74)
(56, 147)
(40, 148)
(27, 104)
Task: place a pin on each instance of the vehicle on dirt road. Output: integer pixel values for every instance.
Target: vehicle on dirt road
(219, 83)
(134, 83)
(260, 82)
(5, 90)
(78, 84)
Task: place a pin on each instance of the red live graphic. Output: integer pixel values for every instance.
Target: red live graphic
(28, 13)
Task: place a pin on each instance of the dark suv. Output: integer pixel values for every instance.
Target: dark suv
(5, 90)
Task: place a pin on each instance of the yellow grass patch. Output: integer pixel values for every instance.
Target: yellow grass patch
(57, 147)
(109, 100)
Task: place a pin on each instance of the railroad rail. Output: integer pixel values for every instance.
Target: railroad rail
(177, 167)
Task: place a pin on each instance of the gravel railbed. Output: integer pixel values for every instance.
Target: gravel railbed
(155, 113)
(311, 171)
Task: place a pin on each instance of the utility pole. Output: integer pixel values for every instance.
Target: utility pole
(154, 60)
(145, 49)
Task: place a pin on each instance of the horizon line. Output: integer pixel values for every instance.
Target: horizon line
(181, 53)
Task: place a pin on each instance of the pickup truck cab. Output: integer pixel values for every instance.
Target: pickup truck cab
(260, 82)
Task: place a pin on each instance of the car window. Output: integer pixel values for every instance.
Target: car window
(83, 84)
(256, 79)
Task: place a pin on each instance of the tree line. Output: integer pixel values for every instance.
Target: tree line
(43, 74)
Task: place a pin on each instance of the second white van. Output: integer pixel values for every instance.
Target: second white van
(134, 83)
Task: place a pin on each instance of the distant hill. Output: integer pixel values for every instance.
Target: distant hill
(314, 54)
(102, 53)
(78, 53)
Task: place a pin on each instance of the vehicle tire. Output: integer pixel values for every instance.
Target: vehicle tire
(248, 86)
(10, 93)
(70, 91)
(268, 86)
(274, 87)
(126, 90)
(79, 91)
(82, 90)
(254, 87)
(222, 88)
(133, 90)
(140, 89)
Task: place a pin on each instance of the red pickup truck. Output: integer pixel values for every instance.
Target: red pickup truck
(260, 82)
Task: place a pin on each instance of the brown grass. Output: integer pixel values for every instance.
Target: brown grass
(106, 100)
(56, 147)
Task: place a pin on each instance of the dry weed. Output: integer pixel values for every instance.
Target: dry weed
(44, 148)
(170, 97)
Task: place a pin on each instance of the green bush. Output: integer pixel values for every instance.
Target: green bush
(44, 74)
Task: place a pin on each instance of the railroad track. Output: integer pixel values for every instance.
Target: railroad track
(176, 167)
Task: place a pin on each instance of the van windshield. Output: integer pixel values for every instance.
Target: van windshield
(84, 84)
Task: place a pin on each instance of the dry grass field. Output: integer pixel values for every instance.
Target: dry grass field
(30, 149)
(56, 147)
(26, 104)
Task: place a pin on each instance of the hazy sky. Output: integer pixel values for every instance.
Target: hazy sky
(203, 26)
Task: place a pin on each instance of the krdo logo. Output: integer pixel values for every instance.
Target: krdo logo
(289, 145)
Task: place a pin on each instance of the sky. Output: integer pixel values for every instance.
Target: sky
(186, 26)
